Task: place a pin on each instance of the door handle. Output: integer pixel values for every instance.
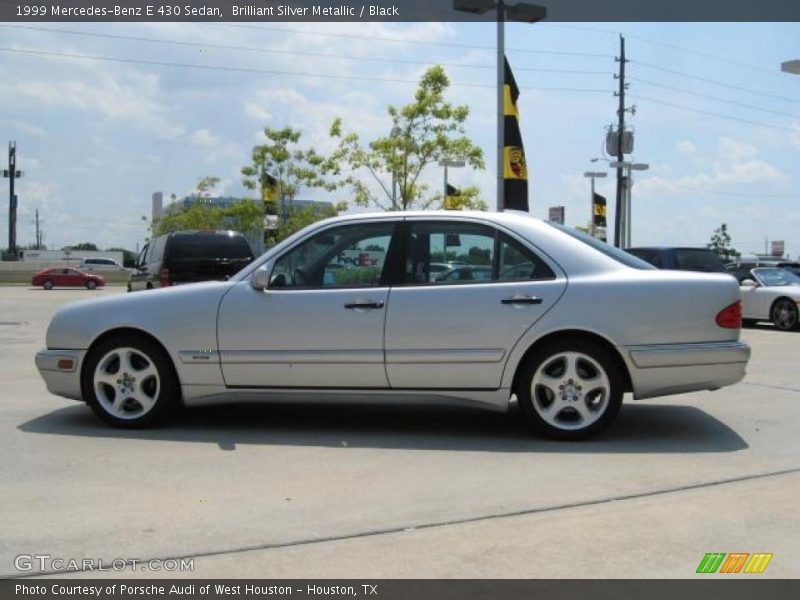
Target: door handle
(363, 304)
(522, 300)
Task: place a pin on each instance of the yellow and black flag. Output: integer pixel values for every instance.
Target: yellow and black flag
(452, 200)
(515, 170)
(599, 210)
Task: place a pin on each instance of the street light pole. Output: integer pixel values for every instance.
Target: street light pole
(592, 175)
(395, 133)
(625, 210)
(449, 162)
(521, 12)
(501, 106)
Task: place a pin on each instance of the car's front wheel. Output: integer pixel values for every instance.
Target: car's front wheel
(128, 381)
(48, 285)
(570, 389)
(91, 284)
(784, 314)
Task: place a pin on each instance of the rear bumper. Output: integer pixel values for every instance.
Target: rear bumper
(61, 380)
(661, 370)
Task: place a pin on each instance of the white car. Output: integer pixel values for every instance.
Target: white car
(771, 294)
(101, 264)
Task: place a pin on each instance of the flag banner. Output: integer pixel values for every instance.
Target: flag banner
(515, 169)
(452, 200)
(599, 210)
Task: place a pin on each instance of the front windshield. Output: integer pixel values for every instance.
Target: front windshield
(629, 260)
(776, 277)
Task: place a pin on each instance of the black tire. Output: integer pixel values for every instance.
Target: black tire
(48, 285)
(570, 430)
(784, 314)
(91, 284)
(129, 288)
(165, 401)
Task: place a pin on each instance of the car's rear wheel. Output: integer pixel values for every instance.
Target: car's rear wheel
(91, 284)
(129, 381)
(784, 314)
(570, 389)
(48, 285)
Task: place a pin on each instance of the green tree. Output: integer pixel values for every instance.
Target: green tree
(88, 246)
(425, 131)
(280, 169)
(721, 244)
(128, 256)
(298, 218)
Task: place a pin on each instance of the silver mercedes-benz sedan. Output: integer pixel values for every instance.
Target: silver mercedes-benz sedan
(347, 310)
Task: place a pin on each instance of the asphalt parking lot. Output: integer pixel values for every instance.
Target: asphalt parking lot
(379, 492)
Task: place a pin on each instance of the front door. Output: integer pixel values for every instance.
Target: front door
(454, 328)
(320, 322)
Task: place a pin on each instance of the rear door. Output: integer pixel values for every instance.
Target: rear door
(459, 333)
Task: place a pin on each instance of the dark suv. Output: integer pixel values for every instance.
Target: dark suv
(681, 259)
(190, 256)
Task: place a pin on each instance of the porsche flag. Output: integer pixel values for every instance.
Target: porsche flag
(515, 170)
(453, 199)
(599, 210)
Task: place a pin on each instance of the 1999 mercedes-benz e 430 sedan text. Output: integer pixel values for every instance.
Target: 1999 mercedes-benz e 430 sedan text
(348, 309)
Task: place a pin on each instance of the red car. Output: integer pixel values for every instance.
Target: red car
(50, 278)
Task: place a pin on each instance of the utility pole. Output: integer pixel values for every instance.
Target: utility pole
(38, 232)
(621, 182)
(12, 174)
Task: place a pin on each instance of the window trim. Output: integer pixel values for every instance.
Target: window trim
(385, 279)
(498, 232)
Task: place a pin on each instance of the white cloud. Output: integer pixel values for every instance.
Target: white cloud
(686, 147)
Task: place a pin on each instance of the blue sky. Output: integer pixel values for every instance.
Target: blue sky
(96, 138)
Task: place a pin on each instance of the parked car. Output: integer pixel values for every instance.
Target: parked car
(704, 260)
(66, 277)
(582, 325)
(771, 294)
(102, 264)
(188, 257)
(741, 268)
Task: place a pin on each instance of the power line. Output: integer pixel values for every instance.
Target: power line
(715, 82)
(329, 55)
(655, 42)
(418, 42)
(716, 98)
(270, 71)
(713, 114)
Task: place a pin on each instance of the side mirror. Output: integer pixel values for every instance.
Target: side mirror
(260, 278)
(749, 283)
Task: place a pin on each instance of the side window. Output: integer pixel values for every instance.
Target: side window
(517, 262)
(142, 259)
(157, 249)
(347, 256)
(444, 253)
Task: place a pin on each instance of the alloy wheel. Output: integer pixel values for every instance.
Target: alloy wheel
(570, 390)
(126, 383)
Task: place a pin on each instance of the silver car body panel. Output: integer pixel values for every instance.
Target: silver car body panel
(229, 341)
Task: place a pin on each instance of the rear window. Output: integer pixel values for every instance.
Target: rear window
(629, 260)
(698, 259)
(209, 245)
(651, 256)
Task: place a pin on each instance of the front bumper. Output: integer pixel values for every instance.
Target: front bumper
(661, 370)
(61, 371)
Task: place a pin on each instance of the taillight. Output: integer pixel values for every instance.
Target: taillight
(164, 277)
(730, 317)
